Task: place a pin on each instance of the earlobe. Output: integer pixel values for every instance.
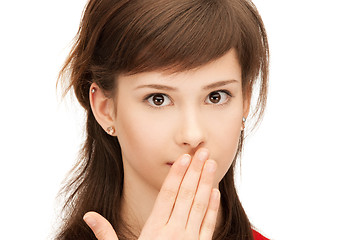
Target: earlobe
(102, 107)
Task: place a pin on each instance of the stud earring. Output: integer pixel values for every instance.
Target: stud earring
(110, 130)
(243, 124)
(93, 90)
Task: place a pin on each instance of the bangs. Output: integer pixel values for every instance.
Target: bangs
(124, 37)
(148, 35)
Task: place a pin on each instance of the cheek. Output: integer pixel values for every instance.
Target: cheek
(225, 142)
(141, 135)
(143, 140)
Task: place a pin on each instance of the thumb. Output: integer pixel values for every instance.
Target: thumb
(100, 226)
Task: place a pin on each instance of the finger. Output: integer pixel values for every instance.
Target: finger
(166, 198)
(209, 223)
(188, 189)
(202, 198)
(100, 226)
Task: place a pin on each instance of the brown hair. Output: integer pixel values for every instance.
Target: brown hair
(132, 36)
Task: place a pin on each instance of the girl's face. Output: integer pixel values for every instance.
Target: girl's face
(161, 116)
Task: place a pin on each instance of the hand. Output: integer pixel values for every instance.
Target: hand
(186, 207)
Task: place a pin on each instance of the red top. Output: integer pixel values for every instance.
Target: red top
(258, 236)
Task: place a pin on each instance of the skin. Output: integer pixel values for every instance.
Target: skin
(160, 118)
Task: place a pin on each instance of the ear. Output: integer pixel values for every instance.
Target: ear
(246, 104)
(102, 107)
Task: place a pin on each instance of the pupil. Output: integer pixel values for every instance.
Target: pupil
(215, 97)
(158, 100)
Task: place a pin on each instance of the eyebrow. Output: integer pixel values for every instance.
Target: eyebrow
(220, 84)
(168, 88)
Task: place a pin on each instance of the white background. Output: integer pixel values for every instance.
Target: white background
(300, 169)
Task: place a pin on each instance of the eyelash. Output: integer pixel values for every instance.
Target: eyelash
(228, 93)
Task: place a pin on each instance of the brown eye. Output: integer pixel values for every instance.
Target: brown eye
(218, 97)
(158, 100)
(215, 97)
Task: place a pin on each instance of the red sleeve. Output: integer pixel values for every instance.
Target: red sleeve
(258, 236)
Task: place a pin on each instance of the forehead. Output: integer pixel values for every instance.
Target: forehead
(224, 68)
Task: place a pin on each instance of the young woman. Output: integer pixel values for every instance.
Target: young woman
(166, 86)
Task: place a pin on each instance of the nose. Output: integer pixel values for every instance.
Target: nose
(191, 131)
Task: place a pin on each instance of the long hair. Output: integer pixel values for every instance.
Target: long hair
(132, 36)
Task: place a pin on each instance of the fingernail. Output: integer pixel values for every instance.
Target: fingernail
(185, 160)
(90, 221)
(203, 154)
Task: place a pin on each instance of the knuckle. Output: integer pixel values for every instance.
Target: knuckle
(206, 180)
(199, 207)
(209, 226)
(186, 194)
(214, 207)
(198, 169)
(101, 234)
(169, 194)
